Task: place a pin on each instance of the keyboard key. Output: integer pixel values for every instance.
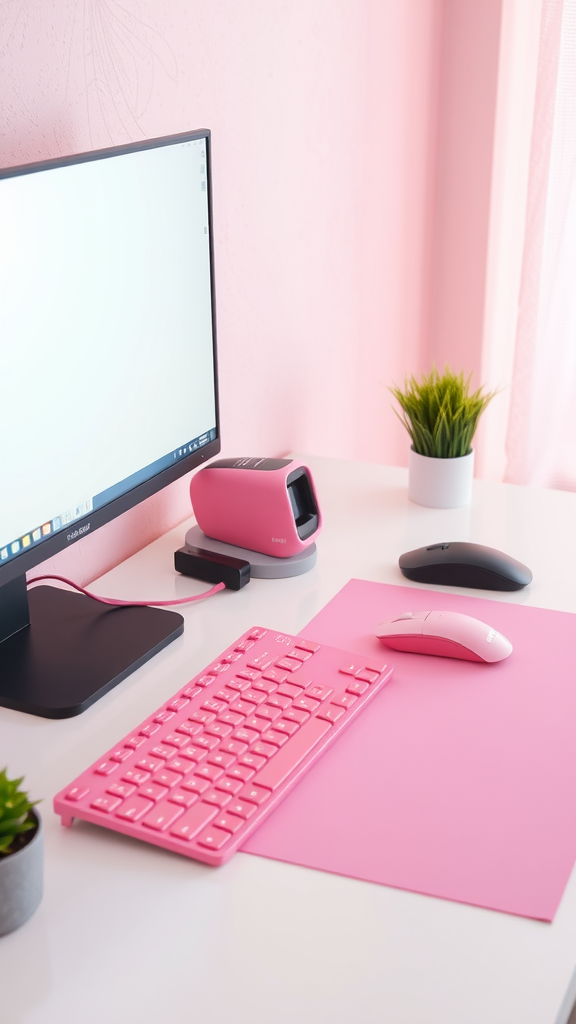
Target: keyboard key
(331, 713)
(204, 680)
(206, 741)
(220, 729)
(164, 716)
(77, 792)
(290, 690)
(262, 662)
(189, 728)
(175, 739)
(357, 687)
(264, 749)
(240, 771)
(121, 789)
(202, 716)
(209, 771)
(257, 633)
(219, 668)
(231, 658)
(306, 703)
(178, 703)
(245, 735)
(230, 717)
(275, 737)
(162, 816)
(182, 765)
(233, 747)
(268, 712)
(254, 696)
(134, 808)
(229, 822)
(182, 798)
(291, 754)
(221, 759)
(193, 820)
(106, 803)
(167, 778)
(213, 838)
(300, 655)
(290, 664)
(165, 753)
(213, 705)
(217, 797)
(274, 676)
(255, 794)
(297, 715)
(276, 700)
(265, 685)
(150, 764)
(319, 692)
(286, 728)
(244, 678)
(227, 695)
(195, 785)
(195, 753)
(152, 791)
(367, 675)
(232, 786)
(242, 808)
(244, 645)
(254, 723)
(135, 776)
(150, 729)
(134, 742)
(345, 700)
(242, 707)
(191, 691)
(106, 767)
(251, 760)
(351, 669)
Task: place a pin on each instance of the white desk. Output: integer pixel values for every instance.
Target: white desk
(130, 934)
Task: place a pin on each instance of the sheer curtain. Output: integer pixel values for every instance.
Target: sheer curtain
(541, 436)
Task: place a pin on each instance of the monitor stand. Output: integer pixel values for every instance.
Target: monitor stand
(62, 651)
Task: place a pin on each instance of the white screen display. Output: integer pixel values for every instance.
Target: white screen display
(106, 343)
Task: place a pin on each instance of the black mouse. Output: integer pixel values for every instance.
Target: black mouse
(458, 564)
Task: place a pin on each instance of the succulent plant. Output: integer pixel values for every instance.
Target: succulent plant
(439, 413)
(15, 817)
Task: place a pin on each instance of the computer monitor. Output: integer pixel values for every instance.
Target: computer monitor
(109, 392)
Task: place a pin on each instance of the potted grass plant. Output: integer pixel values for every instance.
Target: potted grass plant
(441, 417)
(21, 860)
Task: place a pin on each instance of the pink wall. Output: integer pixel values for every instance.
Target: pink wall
(336, 149)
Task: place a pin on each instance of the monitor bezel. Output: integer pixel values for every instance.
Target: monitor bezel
(88, 524)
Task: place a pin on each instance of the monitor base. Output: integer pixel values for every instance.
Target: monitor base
(76, 649)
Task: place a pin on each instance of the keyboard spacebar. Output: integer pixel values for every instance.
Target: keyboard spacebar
(291, 754)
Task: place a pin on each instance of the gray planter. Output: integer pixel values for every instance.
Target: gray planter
(21, 882)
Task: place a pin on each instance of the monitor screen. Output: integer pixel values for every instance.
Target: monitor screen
(107, 337)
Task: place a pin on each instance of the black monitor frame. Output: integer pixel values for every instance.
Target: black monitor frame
(29, 671)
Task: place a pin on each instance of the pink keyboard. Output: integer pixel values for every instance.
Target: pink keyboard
(202, 772)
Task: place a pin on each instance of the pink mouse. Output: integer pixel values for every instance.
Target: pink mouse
(447, 634)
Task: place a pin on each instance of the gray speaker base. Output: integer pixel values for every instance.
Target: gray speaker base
(264, 567)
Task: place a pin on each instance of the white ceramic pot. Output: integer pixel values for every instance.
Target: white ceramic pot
(21, 882)
(440, 483)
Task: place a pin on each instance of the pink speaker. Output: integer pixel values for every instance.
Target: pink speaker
(266, 505)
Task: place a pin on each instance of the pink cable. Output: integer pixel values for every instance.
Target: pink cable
(111, 600)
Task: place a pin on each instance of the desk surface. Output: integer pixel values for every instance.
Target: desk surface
(130, 933)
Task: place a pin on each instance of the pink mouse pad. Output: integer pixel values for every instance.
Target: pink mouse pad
(459, 780)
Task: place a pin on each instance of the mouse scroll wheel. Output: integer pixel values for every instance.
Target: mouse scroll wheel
(405, 615)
